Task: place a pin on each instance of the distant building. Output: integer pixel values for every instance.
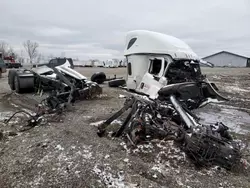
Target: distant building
(228, 59)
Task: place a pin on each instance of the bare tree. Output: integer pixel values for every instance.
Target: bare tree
(12, 53)
(4, 47)
(39, 58)
(31, 49)
(20, 59)
(7, 50)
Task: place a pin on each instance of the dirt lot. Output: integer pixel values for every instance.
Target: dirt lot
(70, 154)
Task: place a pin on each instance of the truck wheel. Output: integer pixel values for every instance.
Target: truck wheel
(17, 83)
(117, 83)
(11, 76)
(22, 84)
(98, 77)
(0, 73)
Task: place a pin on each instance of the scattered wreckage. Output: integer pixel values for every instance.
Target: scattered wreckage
(64, 84)
(59, 77)
(166, 74)
(162, 69)
(148, 119)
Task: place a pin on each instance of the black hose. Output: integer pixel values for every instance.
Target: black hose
(18, 112)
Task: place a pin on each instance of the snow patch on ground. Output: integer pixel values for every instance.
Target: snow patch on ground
(235, 89)
(231, 107)
(16, 106)
(216, 77)
(38, 180)
(144, 148)
(109, 179)
(59, 147)
(169, 160)
(102, 95)
(63, 160)
(238, 121)
(123, 144)
(96, 124)
(122, 96)
(86, 117)
(5, 115)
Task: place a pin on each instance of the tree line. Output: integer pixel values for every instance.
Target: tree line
(30, 47)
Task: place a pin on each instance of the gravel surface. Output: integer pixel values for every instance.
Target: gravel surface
(68, 153)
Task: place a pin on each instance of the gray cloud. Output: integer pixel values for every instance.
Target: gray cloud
(96, 29)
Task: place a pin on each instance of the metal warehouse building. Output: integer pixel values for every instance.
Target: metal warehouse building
(228, 59)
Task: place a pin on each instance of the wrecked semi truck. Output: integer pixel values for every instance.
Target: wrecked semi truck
(58, 77)
(167, 71)
(159, 65)
(62, 84)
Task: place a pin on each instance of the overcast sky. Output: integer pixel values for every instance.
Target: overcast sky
(96, 28)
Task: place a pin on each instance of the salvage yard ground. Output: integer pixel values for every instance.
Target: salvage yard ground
(68, 152)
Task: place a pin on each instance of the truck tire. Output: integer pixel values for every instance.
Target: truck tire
(23, 84)
(117, 83)
(98, 77)
(11, 76)
(0, 73)
(17, 83)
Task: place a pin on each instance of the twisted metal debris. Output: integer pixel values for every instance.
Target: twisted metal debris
(66, 88)
(153, 119)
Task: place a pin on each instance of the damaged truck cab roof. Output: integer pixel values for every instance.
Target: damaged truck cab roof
(148, 42)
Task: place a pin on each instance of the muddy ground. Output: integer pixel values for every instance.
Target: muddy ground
(68, 153)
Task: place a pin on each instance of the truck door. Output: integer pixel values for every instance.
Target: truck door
(152, 80)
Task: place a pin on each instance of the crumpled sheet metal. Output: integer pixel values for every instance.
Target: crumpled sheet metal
(153, 119)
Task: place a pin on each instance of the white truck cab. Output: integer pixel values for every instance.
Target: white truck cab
(155, 60)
